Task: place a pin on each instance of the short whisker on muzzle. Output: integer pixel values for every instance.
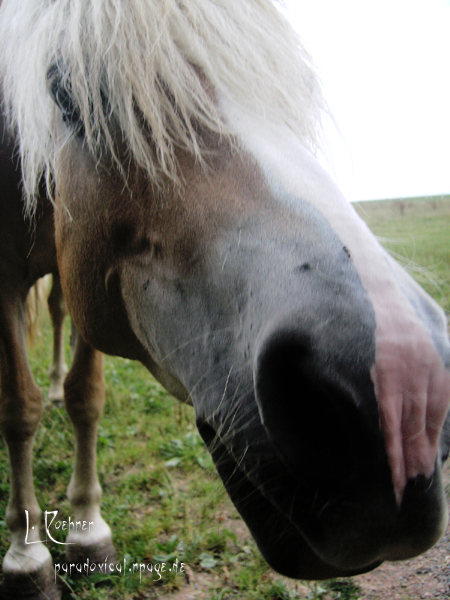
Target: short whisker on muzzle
(194, 341)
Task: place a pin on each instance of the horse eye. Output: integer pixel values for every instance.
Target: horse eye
(61, 93)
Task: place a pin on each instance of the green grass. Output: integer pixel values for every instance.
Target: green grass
(161, 495)
(417, 233)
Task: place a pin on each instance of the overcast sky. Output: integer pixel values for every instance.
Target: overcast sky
(385, 69)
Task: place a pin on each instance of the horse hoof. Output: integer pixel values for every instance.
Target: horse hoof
(55, 402)
(91, 559)
(56, 396)
(40, 585)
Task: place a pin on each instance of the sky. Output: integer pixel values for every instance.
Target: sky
(385, 71)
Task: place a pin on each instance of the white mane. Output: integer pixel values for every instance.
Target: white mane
(147, 57)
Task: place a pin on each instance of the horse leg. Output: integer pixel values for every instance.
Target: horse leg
(58, 368)
(84, 392)
(27, 566)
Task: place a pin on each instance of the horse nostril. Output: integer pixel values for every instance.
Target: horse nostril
(310, 414)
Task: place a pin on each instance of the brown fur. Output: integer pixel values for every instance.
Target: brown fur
(100, 236)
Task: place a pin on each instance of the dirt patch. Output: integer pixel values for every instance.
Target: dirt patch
(197, 587)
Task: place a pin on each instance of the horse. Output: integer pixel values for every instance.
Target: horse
(197, 232)
(27, 254)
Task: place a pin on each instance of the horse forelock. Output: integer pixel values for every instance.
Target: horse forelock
(151, 59)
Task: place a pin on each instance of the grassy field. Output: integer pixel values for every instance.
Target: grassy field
(417, 233)
(161, 495)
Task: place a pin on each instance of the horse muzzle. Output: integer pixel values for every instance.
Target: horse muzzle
(317, 405)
